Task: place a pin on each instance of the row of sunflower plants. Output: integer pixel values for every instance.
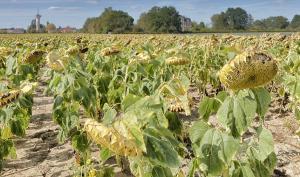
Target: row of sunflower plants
(291, 79)
(119, 93)
(19, 70)
(124, 107)
(230, 143)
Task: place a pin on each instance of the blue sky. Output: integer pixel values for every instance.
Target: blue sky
(19, 13)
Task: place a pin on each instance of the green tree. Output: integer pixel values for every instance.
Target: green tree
(250, 21)
(50, 28)
(271, 23)
(161, 20)
(232, 19)
(198, 27)
(258, 25)
(110, 20)
(202, 26)
(219, 21)
(237, 18)
(195, 27)
(91, 25)
(295, 23)
(277, 22)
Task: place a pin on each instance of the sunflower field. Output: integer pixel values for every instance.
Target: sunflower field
(155, 105)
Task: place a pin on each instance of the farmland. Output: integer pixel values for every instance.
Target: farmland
(150, 105)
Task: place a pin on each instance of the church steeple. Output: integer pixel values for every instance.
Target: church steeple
(38, 21)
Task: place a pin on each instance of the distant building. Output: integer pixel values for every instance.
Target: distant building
(35, 25)
(3, 31)
(38, 22)
(16, 31)
(67, 30)
(13, 30)
(186, 23)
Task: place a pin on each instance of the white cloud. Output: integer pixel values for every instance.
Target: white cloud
(57, 8)
(92, 1)
(46, 1)
(54, 8)
(27, 1)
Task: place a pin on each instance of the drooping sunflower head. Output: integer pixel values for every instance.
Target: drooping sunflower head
(113, 138)
(4, 51)
(8, 97)
(108, 51)
(73, 50)
(248, 70)
(177, 60)
(33, 57)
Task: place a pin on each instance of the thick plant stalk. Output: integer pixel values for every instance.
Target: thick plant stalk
(248, 70)
(110, 138)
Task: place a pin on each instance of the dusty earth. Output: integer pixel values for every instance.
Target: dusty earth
(40, 154)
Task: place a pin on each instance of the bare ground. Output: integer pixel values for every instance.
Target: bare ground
(39, 153)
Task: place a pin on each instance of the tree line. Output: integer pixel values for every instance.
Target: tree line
(238, 19)
(157, 19)
(167, 20)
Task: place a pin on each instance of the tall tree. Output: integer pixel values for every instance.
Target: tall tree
(195, 27)
(232, 19)
(277, 22)
(219, 21)
(258, 25)
(237, 18)
(295, 23)
(271, 23)
(202, 25)
(91, 25)
(160, 19)
(198, 27)
(50, 27)
(110, 20)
